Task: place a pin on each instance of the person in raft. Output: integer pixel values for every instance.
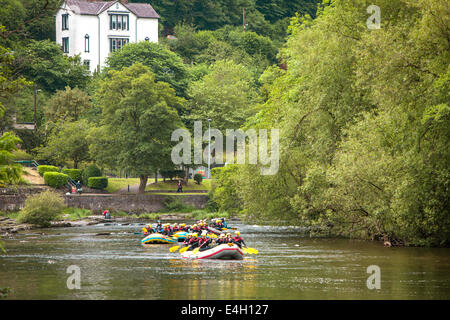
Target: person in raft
(238, 240)
(219, 225)
(188, 238)
(204, 242)
(221, 239)
(176, 227)
(167, 230)
(193, 242)
(159, 227)
(149, 229)
(228, 238)
(106, 214)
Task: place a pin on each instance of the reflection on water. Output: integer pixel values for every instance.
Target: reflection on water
(288, 266)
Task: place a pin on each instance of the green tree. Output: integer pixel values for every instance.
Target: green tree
(67, 142)
(138, 117)
(25, 19)
(166, 65)
(226, 95)
(67, 105)
(10, 172)
(44, 63)
(9, 82)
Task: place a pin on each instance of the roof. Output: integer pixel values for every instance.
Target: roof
(141, 10)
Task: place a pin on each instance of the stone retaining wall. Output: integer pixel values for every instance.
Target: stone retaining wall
(14, 199)
(130, 203)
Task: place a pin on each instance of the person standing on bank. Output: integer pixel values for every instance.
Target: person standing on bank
(180, 186)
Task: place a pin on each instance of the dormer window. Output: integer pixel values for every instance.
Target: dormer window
(65, 21)
(118, 22)
(147, 39)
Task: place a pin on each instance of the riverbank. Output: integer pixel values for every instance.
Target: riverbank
(9, 224)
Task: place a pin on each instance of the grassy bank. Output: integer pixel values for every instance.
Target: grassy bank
(115, 184)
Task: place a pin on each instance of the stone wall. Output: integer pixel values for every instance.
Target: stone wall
(13, 200)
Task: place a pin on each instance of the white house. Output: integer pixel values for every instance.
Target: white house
(93, 29)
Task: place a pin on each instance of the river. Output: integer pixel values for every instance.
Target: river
(289, 265)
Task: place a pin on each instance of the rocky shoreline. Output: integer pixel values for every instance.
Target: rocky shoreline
(9, 226)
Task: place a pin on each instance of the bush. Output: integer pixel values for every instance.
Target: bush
(176, 204)
(90, 171)
(74, 174)
(43, 169)
(98, 182)
(198, 178)
(41, 209)
(55, 179)
(22, 155)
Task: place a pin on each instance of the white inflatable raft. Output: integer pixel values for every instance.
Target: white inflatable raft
(228, 251)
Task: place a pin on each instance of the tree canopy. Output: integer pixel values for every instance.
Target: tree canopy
(138, 117)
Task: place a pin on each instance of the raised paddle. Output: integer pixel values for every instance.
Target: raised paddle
(195, 250)
(174, 248)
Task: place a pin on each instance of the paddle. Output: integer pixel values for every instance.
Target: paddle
(195, 250)
(184, 249)
(145, 230)
(252, 250)
(245, 251)
(174, 248)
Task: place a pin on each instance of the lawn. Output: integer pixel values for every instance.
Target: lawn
(172, 185)
(115, 184)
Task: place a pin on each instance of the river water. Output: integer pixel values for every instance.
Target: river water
(289, 266)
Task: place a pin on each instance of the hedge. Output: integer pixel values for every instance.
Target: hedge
(98, 182)
(74, 174)
(90, 171)
(55, 179)
(43, 169)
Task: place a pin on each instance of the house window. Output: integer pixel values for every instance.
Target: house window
(86, 43)
(117, 43)
(65, 45)
(65, 21)
(87, 63)
(118, 22)
(147, 39)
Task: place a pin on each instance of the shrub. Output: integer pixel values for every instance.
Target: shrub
(41, 209)
(22, 155)
(76, 213)
(176, 204)
(74, 174)
(198, 178)
(98, 182)
(43, 169)
(91, 171)
(55, 179)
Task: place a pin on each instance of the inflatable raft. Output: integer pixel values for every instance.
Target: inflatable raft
(180, 235)
(158, 238)
(228, 251)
